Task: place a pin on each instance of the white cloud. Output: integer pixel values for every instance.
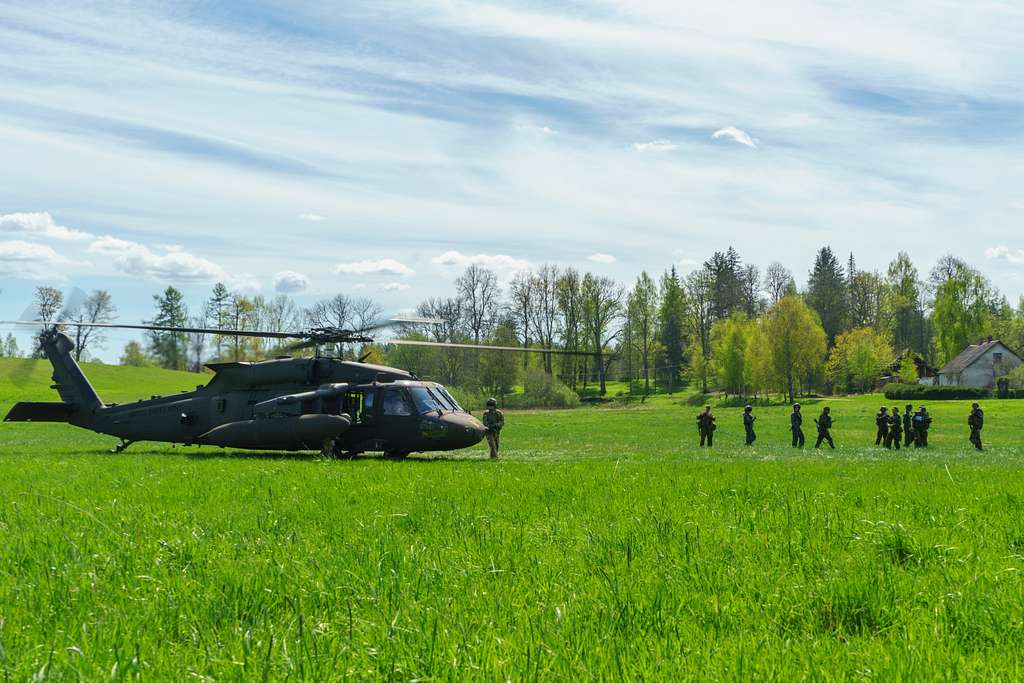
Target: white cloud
(601, 258)
(736, 135)
(655, 146)
(534, 128)
(359, 285)
(290, 282)
(1004, 253)
(173, 265)
(315, 217)
(385, 266)
(395, 287)
(39, 224)
(497, 262)
(22, 259)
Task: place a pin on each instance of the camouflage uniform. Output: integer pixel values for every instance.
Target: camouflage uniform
(908, 425)
(796, 421)
(976, 420)
(493, 420)
(922, 421)
(894, 438)
(882, 422)
(706, 427)
(824, 423)
(748, 424)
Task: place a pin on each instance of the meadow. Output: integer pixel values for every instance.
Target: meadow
(604, 544)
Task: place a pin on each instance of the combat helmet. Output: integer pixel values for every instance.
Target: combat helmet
(492, 403)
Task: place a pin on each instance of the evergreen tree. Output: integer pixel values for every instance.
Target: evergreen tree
(217, 313)
(169, 349)
(672, 327)
(827, 293)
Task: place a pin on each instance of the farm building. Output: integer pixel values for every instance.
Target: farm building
(979, 365)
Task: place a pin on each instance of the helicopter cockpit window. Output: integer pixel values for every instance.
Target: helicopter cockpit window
(451, 399)
(395, 403)
(426, 402)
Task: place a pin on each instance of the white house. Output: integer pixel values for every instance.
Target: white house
(979, 365)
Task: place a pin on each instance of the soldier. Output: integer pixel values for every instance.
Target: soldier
(908, 424)
(922, 421)
(706, 427)
(796, 421)
(748, 424)
(895, 435)
(494, 420)
(882, 422)
(976, 420)
(824, 423)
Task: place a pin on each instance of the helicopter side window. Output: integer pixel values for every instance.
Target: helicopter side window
(395, 403)
(368, 404)
(451, 399)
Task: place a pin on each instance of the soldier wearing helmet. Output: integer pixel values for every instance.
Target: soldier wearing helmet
(493, 421)
(796, 421)
(748, 424)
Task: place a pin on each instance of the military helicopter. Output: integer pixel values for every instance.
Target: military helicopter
(341, 408)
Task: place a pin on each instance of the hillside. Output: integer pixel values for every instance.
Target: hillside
(29, 380)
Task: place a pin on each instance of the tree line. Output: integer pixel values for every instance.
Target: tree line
(724, 326)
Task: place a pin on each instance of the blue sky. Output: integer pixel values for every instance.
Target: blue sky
(377, 148)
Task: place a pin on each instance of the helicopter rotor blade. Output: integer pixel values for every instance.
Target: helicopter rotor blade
(486, 347)
(166, 328)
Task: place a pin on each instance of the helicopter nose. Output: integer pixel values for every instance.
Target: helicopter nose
(464, 430)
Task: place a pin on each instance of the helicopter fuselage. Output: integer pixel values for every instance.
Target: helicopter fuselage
(335, 406)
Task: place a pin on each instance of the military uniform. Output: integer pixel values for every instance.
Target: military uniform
(882, 422)
(824, 423)
(922, 421)
(748, 424)
(706, 427)
(895, 435)
(796, 421)
(908, 425)
(493, 421)
(976, 420)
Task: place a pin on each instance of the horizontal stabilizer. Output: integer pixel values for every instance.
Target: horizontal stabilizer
(39, 412)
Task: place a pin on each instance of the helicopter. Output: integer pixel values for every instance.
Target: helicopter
(341, 408)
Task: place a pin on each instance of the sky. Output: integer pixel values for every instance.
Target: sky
(376, 149)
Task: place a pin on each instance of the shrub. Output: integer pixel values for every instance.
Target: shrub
(541, 390)
(922, 392)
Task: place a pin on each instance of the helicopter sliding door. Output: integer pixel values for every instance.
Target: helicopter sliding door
(397, 420)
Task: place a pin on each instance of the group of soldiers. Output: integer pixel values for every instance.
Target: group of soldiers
(894, 430)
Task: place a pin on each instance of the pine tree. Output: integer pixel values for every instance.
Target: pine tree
(672, 327)
(169, 349)
(217, 312)
(828, 293)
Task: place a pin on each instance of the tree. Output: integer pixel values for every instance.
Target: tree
(135, 356)
(642, 314)
(672, 321)
(796, 339)
(827, 293)
(964, 305)
(904, 305)
(48, 302)
(478, 294)
(725, 274)
(760, 368)
(546, 314)
(216, 311)
(169, 349)
(196, 342)
(521, 307)
(700, 311)
(10, 347)
(750, 291)
(570, 306)
(867, 299)
(778, 282)
(729, 353)
(98, 307)
(858, 359)
(602, 305)
(500, 370)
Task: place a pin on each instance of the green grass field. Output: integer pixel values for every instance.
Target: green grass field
(604, 544)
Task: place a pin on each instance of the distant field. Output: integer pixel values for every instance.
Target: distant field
(604, 544)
